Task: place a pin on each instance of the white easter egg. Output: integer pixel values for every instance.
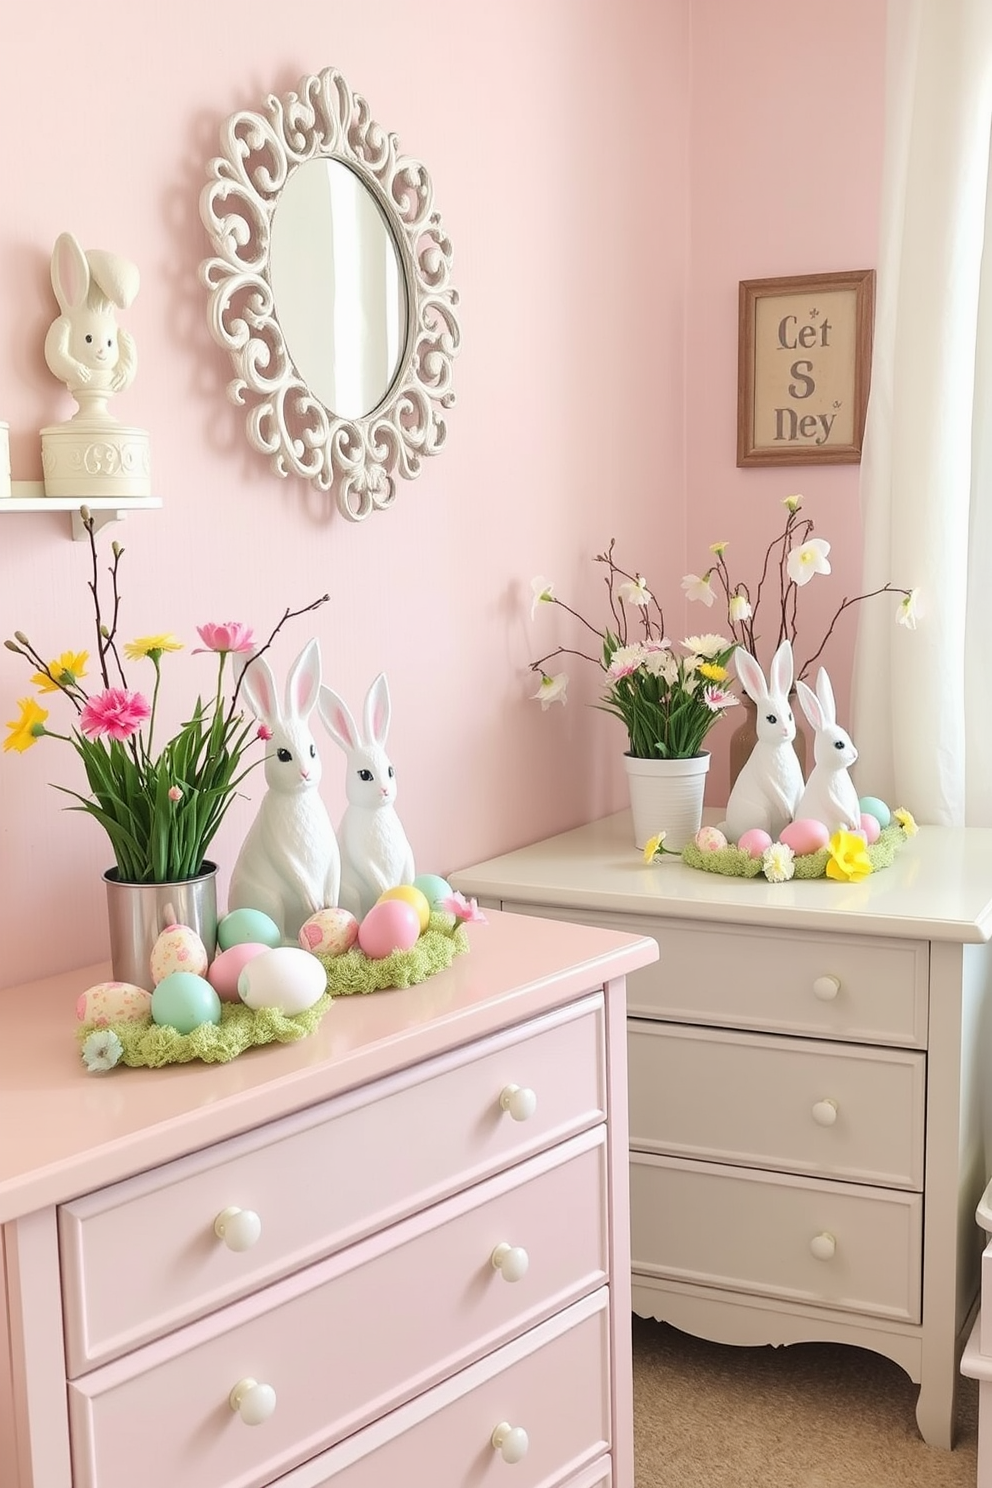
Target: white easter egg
(287, 977)
(178, 948)
(329, 932)
(113, 1002)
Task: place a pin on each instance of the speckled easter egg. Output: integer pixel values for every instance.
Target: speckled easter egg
(416, 898)
(872, 806)
(225, 968)
(329, 932)
(390, 926)
(805, 835)
(710, 839)
(754, 842)
(247, 924)
(287, 977)
(433, 887)
(178, 948)
(183, 1001)
(113, 1002)
(871, 826)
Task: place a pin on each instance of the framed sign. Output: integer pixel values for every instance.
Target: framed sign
(804, 364)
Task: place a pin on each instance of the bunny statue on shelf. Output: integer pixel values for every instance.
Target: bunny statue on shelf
(85, 348)
(375, 853)
(830, 796)
(289, 865)
(766, 792)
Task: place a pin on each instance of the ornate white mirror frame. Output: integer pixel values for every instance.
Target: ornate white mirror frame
(357, 457)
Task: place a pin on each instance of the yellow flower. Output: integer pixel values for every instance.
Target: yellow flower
(146, 645)
(906, 821)
(849, 860)
(67, 669)
(652, 848)
(24, 731)
(712, 672)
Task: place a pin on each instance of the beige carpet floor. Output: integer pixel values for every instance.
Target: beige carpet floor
(821, 1415)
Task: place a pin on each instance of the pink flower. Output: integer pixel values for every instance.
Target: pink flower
(463, 909)
(263, 732)
(717, 698)
(116, 712)
(232, 636)
(175, 794)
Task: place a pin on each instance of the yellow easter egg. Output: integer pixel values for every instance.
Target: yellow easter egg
(413, 897)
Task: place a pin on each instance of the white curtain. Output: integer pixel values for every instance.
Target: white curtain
(922, 700)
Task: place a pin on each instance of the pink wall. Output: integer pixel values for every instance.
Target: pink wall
(607, 173)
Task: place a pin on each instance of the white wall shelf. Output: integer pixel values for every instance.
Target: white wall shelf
(29, 496)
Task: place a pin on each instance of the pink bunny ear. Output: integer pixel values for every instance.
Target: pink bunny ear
(781, 669)
(752, 678)
(337, 719)
(377, 710)
(810, 704)
(258, 687)
(825, 693)
(303, 682)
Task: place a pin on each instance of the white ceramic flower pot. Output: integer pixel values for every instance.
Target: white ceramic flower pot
(666, 795)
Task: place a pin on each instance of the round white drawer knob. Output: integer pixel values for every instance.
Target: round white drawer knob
(519, 1101)
(823, 1246)
(253, 1402)
(511, 1442)
(511, 1261)
(825, 1112)
(826, 988)
(238, 1228)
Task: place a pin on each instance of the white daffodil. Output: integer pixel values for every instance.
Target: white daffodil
(740, 608)
(706, 645)
(907, 611)
(698, 588)
(777, 863)
(552, 690)
(809, 559)
(662, 662)
(542, 592)
(792, 503)
(636, 592)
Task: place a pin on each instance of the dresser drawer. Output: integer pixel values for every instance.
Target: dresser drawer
(752, 1232)
(831, 1109)
(430, 1280)
(553, 1383)
(433, 1130)
(865, 990)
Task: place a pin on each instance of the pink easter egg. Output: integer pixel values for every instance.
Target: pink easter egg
(329, 932)
(710, 839)
(871, 826)
(391, 925)
(754, 842)
(805, 835)
(113, 1002)
(227, 966)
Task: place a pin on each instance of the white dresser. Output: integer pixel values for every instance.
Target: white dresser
(384, 1255)
(810, 1087)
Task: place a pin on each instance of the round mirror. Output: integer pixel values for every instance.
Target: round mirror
(338, 281)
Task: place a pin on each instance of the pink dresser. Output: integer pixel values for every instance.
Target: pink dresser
(395, 1252)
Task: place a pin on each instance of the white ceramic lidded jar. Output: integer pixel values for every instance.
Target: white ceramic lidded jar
(4, 460)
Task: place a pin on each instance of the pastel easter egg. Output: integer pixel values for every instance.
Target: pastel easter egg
(805, 835)
(411, 895)
(183, 1001)
(247, 924)
(390, 926)
(329, 932)
(871, 826)
(433, 887)
(113, 1002)
(872, 806)
(754, 842)
(710, 839)
(178, 948)
(286, 977)
(224, 970)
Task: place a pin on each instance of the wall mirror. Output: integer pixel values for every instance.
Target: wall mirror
(329, 286)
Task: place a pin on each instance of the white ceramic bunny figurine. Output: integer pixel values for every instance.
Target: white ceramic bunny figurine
(766, 792)
(289, 865)
(375, 853)
(830, 796)
(85, 348)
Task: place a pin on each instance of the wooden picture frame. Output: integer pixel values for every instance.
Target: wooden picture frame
(804, 365)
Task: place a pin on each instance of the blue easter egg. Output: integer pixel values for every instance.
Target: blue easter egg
(872, 806)
(182, 1000)
(432, 886)
(244, 925)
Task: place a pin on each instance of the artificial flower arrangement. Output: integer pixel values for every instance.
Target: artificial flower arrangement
(667, 701)
(791, 561)
(160, 807)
